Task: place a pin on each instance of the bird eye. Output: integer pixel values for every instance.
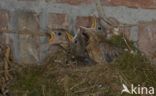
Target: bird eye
(75, 41)
(59, 33)
(99, 28)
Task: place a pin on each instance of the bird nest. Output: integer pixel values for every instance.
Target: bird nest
(62, 75)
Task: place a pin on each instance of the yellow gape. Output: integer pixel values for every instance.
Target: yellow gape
(69, 37)
(52, 37)
(93, 23)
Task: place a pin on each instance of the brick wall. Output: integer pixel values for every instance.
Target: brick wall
(39, 15)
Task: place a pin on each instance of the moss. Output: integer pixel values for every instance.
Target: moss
(137, 69)
(34, 82)
(118, 41)
(133, 68)
(61, 79)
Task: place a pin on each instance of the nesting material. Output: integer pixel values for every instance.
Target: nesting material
(60, 75)
(6, 70)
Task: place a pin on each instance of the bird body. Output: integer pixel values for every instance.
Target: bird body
(95, 45)
(102, 52)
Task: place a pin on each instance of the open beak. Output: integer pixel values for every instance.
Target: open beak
(93, 23)
(86, 30)
(52, 37)
(69, 37)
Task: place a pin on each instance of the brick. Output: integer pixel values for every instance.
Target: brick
(4, 18)
(27, 20)
(131, 3)
(57, 20)
(27, 0)
(28, 44)
(126, 31)
(72, 2)
(85, 21)
(147, 38)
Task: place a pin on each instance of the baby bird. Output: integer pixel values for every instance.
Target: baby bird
(60, 37)
(90, 42)
(106, 28)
